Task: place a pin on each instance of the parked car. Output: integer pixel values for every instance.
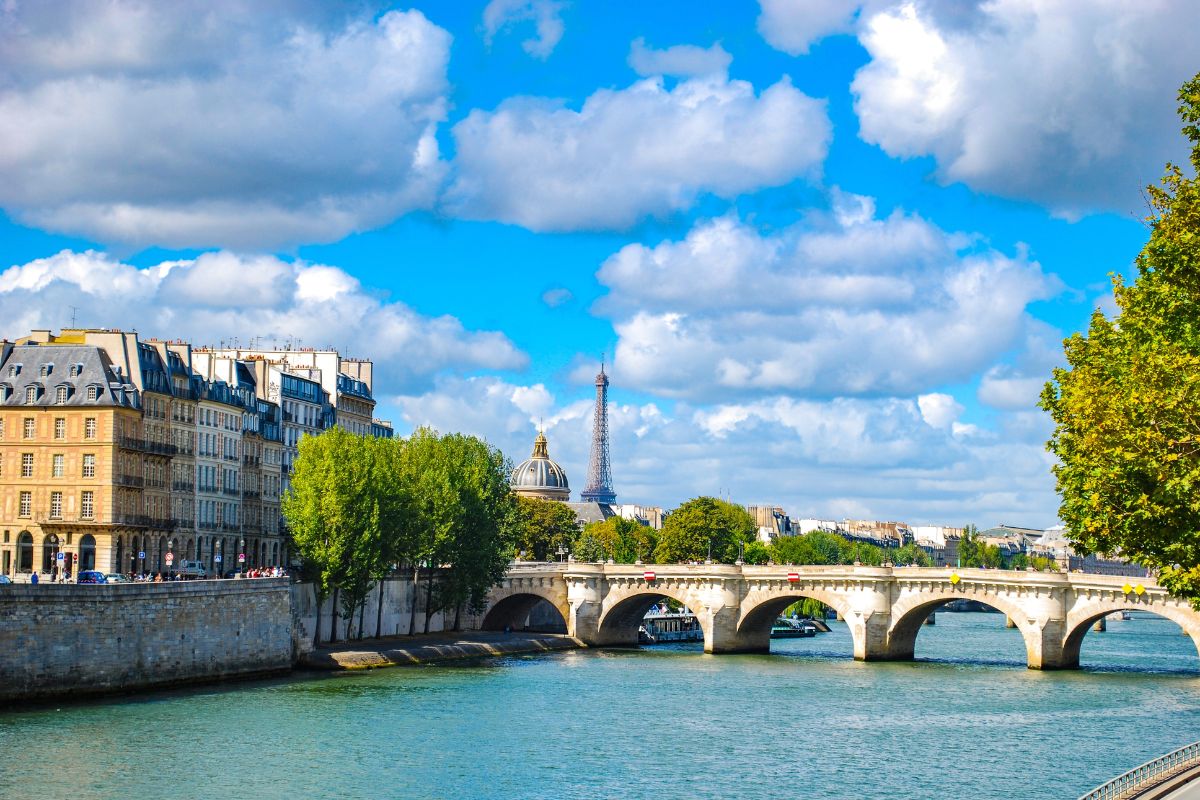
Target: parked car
(116, 577)
(192, 569)
(91, 576)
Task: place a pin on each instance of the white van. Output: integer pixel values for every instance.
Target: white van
(192, 569)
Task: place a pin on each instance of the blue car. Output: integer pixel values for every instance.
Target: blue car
(91, 576)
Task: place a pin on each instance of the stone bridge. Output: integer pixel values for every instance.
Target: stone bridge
(884, 607)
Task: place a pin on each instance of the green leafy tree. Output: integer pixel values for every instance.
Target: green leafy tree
(690, 529)
(623, 540)
(969, 548)
(756, 553)
(336, 516)
(542, 526)
(911, 554)
(1126, 409)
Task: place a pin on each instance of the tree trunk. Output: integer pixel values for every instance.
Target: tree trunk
(379, 613)
(428, 598)
(362, 608)
(333, 622)
(412, 613)
(457, 616)
(317, 630)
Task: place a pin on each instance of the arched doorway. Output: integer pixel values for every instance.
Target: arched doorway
(25, 552)
(87, 552)
(50, 548)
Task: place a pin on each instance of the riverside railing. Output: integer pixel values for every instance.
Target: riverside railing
(1147, 775)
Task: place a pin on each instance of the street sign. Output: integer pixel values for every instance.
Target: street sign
(793, 577)
(74, 556)
(61, 555)
(142, 555)
(217, 558)
(170, 558)
(241, 556)
(648, 575)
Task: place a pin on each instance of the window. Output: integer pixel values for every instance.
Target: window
(14, 370)
(1, 427)
(89, 428)
(89, 465)
(56, 505)
(26, 465)
(28, 431)
(26, 504)
(31, 395)
(93, 393)
(76, 370)
(1, 464)
(60, 395)
(46, 369)
(87, 505)
(60, 428)
(56, 465)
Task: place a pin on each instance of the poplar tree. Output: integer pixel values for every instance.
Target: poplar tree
(1126, 409)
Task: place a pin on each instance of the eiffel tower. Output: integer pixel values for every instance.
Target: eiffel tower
(599, 486)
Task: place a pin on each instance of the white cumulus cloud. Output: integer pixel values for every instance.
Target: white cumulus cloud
(793, 26)
(223, 296)
(546, 15)
(647, 150)
(1070, 104)
(682, 60)
(848, 304)
(198, 124)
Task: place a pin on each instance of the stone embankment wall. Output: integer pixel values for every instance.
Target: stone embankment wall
(396, 619)
(68, 640)
(64, 640)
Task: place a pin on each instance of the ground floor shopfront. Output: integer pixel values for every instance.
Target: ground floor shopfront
(58, 553)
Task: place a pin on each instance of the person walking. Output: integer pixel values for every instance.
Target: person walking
(33, 578)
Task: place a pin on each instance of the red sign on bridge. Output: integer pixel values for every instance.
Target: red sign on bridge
(648, 575)
(793, 577)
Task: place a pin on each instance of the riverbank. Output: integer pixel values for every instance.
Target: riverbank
(431, 648)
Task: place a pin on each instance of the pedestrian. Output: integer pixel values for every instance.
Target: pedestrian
(33, 578)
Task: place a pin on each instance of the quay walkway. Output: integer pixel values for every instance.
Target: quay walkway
(1169, 777)
(430, 648)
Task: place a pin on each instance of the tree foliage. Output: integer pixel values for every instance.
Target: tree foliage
(1126, 409)
(359, 506)
(691, 529)
(623, 540)
(542, 526)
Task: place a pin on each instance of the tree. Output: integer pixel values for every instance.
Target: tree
(911, 554)
(1126, 409)
(542, 526)
(335, 513)
(756, 553)
(691, 529)
(623, 540)
(968, 548)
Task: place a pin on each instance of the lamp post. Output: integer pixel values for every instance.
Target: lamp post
(709, 559)
(241, 557)
(741, 552)
(171, 558)
(219, 567)
(562, 553)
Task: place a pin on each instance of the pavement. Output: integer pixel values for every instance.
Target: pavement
(1185, 786)
(431, 648)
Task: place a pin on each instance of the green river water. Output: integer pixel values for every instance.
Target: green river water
(967, 719)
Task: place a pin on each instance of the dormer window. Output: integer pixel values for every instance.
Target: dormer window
(93, 393)
(31, 395)
(61, 394)
(14, 370)
(46, 369)
(76, 370)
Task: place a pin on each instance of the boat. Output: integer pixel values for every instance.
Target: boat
(785, 628)
(660, 628)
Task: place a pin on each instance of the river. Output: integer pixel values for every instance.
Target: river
(807, 721)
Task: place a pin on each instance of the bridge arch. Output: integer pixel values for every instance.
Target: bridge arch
(1080, 620)
(622, 612)
(509, 606)
(910, 613)
(762, 607)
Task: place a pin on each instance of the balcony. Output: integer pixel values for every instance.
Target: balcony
(230, 527)
(155, 483)
(161, 448)
(131, 442)
(136, 481)
(232, 492)
(183, 486)
(251, 494)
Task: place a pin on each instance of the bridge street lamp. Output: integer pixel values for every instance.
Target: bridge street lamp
(562, 553)
(241, 557)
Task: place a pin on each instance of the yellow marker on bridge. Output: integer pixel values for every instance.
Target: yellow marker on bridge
(954, 579)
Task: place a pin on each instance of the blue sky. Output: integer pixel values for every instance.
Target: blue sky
(828, 248)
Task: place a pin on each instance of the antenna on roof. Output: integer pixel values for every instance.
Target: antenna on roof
(74, 311)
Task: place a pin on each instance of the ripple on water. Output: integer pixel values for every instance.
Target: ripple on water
(965, 719)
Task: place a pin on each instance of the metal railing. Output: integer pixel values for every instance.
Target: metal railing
(1147, 775)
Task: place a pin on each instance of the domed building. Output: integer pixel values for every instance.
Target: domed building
(540, 476)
